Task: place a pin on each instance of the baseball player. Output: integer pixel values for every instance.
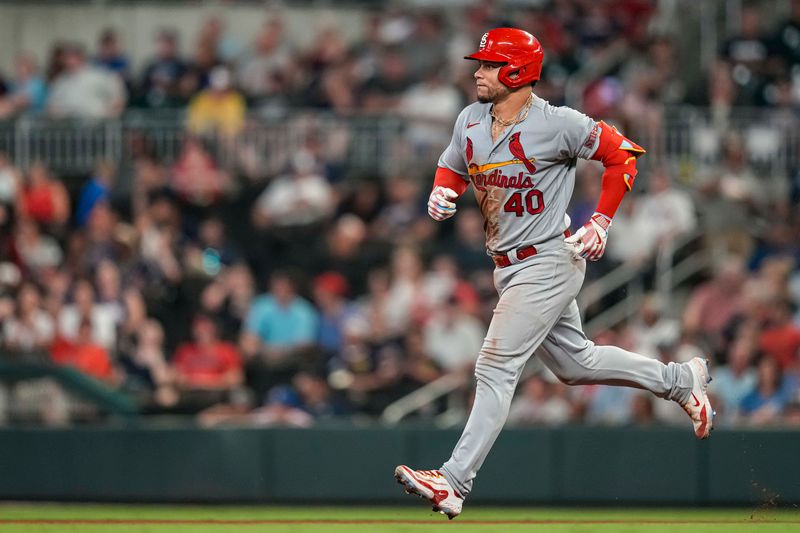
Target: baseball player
(519, 152)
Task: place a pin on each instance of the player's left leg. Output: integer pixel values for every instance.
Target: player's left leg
(575, 360)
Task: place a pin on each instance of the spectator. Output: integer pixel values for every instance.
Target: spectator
(431, 106)
(264, 73)
(453, 338)
(364, 200)
(348, 250)
(316, 397)
(714, 304)
(670, 211)
(30, 329)
(55, 63)
(207, 363)
(85, 355)
(300, 198)
(83, 90)
(10, 186)
(330, 295)
(85, 309)
(279, 332)
(537, 405)
(443, 285)
(376, 305)
(787, 37)
(159, 230)
(402, 210)
(211, 251)
(469, 245)
(734, 381)
(224, 44)
(418, 368)
(424, 50)
(228, 299)
(134, 317)
(731, 195)
(44, 198)
(146, 371)
(203, 61)
(110, 55)
(104, 239)
(651, 329)
(97, 189)
(196, 177)
(28, 91)
(327, 50)
(765, 403)
(162, 75)
(109, 287)
(36, 251)
(407, 303)
(369, 370)
(642, 410)
(749, 54)
(611, 406)
(780, 338)
(383, 91)
(217, 109)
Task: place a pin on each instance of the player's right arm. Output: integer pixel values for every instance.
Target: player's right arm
(451, 178)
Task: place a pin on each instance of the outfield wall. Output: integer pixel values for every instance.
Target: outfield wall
(553, 466)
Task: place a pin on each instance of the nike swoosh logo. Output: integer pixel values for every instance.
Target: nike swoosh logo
(473, 124)
(696, 401)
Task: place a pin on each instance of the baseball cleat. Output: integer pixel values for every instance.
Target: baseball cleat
(432, 486)
(697, 406)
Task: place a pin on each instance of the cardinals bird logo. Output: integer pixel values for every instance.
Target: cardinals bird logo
(469, 150)
(515, 146)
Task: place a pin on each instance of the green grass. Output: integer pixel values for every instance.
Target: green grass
(58, 518)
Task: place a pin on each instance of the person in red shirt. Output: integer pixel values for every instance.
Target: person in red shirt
(44, 198)
(85, 355)
(207, 363)
(780, 338)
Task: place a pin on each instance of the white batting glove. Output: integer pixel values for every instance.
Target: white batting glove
(440, 206)
(589, 242)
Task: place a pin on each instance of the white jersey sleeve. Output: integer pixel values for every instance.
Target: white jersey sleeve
(453, 156)
(579, 135)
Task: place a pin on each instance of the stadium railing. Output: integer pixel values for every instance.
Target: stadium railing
(691, 137)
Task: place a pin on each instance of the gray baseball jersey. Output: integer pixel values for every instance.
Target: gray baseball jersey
(524, 181)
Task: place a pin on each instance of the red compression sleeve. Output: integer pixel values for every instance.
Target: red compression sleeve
(452, 180)
(611, 193)
(618, 155)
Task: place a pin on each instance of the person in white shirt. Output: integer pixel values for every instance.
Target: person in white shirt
(452, 337)
(85, 91)
(300, 198)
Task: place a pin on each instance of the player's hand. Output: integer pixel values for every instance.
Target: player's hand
(440, 204)
(589, 242)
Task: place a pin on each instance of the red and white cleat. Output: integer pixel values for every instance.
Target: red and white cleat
(697, 406)
(431, 485)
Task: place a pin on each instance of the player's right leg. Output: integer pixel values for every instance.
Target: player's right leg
(576, 360)
(533, 295)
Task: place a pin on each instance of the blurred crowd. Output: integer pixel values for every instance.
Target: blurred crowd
(307, 293)
(621, 58)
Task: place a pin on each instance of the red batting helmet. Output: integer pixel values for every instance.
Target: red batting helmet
(518, 49)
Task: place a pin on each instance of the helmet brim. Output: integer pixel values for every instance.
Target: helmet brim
(485, 55)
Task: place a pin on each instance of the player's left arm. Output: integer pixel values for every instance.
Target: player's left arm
(618, 154)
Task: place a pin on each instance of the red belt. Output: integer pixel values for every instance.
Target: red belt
(503, 260)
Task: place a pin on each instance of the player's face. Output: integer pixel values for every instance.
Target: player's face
(489, 87)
